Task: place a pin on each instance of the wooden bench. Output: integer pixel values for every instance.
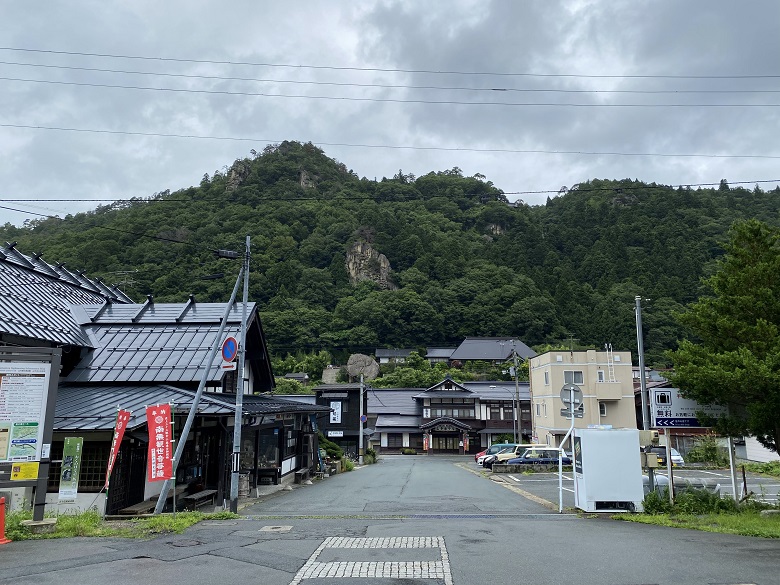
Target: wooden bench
(301, 475)
(193, 501)
(145, 507)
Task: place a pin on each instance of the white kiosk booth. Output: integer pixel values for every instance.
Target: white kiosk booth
(607, 470)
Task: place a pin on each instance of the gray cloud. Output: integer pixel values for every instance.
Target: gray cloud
(570, 39)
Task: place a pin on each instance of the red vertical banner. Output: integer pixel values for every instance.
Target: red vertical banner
(160, 460)
(122, 418)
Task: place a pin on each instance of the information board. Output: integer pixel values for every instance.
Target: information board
(670, 409)
(24, 391)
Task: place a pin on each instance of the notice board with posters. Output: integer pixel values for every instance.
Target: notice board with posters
(28, 393)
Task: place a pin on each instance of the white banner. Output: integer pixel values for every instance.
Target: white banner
(335, 412)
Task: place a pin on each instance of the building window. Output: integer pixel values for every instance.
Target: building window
(602, 409)
(94, 461)
(572, 377)
(508, 413)
(538, 409)
(395, 440)
(547, 378)
(495, 412)
(600, 376)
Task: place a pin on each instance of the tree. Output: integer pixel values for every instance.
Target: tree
(736, 361)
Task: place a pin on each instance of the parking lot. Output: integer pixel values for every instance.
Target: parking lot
(545, 485)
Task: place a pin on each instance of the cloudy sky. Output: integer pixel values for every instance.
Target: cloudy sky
(103, 101)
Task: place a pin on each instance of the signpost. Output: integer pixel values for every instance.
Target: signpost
(571, 396)
(229, 353)
(669, 409)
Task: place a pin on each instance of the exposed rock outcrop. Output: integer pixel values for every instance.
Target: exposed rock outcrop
(365, 263)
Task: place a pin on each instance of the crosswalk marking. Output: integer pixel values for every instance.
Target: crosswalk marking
(412, 569)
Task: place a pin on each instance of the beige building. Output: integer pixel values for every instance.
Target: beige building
(605, 378)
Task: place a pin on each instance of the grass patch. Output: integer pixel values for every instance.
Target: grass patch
(745, 524)
(704, 510)
(91, 523)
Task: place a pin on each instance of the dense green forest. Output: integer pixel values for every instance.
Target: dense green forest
(464, 262)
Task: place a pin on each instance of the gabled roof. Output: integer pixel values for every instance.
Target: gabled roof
(164, 343)
(491, 349)
(35, 298)
(446, 420)
(267, 404)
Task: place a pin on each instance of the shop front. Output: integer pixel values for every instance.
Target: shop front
(445, 435)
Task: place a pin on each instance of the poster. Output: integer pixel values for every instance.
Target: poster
(24, 471)
(24, 389)
(335, 412)
(69, 472)
(160, 464)
(122, 418)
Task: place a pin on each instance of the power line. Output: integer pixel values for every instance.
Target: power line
(393, 86)
(402, 199)
(379, 69)
(391, 146)
(384, 100)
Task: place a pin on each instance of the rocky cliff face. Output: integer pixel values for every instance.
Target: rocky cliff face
(365, 263)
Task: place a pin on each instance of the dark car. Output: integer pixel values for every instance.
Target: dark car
(539, 457)
(661, 453)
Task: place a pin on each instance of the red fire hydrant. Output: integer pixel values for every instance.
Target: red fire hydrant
(3, 539)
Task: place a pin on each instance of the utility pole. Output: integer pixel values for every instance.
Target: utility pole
(643, 385)
(239, 413)
(360, 436)
(516, 401)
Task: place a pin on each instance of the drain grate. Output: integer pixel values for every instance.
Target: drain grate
(279, 529)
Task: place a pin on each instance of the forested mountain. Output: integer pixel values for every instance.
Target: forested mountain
(462, 261)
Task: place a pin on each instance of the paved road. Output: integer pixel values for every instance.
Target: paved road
(411, 520)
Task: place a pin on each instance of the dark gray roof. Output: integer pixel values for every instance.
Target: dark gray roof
(393, 401)
(304, 398)
(502, 390)
(445, 394)
(94, 408)
(398, 424)
(35, 298)
(162, 343)
(439, 352)
(267, 404)
(491, 349)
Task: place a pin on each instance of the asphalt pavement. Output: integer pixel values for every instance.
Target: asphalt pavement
(408, 519)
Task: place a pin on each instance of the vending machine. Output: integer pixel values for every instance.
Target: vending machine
(607, 470)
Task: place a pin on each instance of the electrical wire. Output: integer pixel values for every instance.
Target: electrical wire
(391, 86)
(388, 100)
(379, 69)
(392, 146)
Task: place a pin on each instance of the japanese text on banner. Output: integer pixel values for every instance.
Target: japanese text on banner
(160, 464)
(122, 418)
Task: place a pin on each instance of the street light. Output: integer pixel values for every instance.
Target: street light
(514, 411)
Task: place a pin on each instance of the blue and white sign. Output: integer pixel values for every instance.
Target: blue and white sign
(669, 409)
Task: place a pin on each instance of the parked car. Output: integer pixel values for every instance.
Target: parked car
(660, 451)
(677, 459)
(492, 450)
(539, 456)
(480, 454)
(509, 453)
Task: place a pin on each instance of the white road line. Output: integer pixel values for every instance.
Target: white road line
(439, 569)
(513, 478)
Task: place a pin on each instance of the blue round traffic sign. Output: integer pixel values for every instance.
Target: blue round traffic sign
(229, 349)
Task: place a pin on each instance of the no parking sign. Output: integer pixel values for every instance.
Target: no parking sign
(229, 353)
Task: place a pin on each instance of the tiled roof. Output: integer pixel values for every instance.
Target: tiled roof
(163, 343)
(94, 408)
(35, 298)
(393, 401)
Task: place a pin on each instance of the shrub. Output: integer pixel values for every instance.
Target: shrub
(407, 451)
(369, 457)
(707, 450)
(347, 464)
(332, 449)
